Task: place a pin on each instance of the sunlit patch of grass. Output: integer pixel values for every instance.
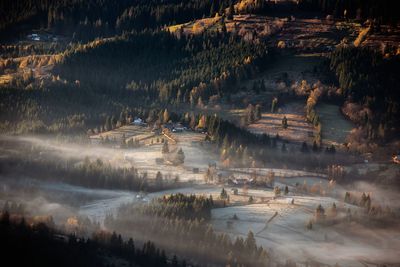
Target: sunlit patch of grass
(362, 36)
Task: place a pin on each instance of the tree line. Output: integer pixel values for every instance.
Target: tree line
(89, 173)
(86, 20)
(41, 245)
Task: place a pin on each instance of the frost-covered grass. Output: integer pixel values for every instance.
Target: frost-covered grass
(281, 227)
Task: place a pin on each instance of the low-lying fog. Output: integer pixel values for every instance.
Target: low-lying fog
(284, 234)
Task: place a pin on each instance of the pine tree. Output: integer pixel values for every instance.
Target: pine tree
(231, 11)
(212, 9)
(286, 190)
(250, 243)
(347, 197)
(108, 125)
(180, 157)
(165, 116)
(277, 191)
(304, 148)
(284, 122)
(159, 179)
(224, 194)
(257, 112)
(123, 142)
(274, 105)
(165, 148)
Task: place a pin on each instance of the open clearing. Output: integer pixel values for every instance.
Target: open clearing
(335, 127)
(287, 70)
(130, 131)
(298, 130)
(197, 154)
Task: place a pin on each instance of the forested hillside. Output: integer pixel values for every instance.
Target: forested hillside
(86, 20)
(150, 67)
(161, 67)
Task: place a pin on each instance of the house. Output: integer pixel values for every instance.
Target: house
(201, 130)
(138, 121)
(174, 127)
(178, 128)
(240, 181)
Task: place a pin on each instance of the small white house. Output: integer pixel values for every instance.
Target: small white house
(138, 121)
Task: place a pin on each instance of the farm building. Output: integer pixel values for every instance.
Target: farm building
(240, 181)
(174, 127)
(139, 122)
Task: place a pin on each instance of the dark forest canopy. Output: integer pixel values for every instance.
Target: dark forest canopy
(88, 19)
(383, 10)
(41, 245)
(159, 65)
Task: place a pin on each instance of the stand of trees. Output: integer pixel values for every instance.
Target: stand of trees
(182, 206)
(23, 244)
(360, 73)
(91, 174)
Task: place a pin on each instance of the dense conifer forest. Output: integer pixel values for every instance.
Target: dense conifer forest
(45, 246)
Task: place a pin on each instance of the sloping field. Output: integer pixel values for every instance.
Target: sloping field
(313, 35)
(280, 227)
(196, 156)
(244, 25)
(37, 66)
(130, 131)
(298, 130)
